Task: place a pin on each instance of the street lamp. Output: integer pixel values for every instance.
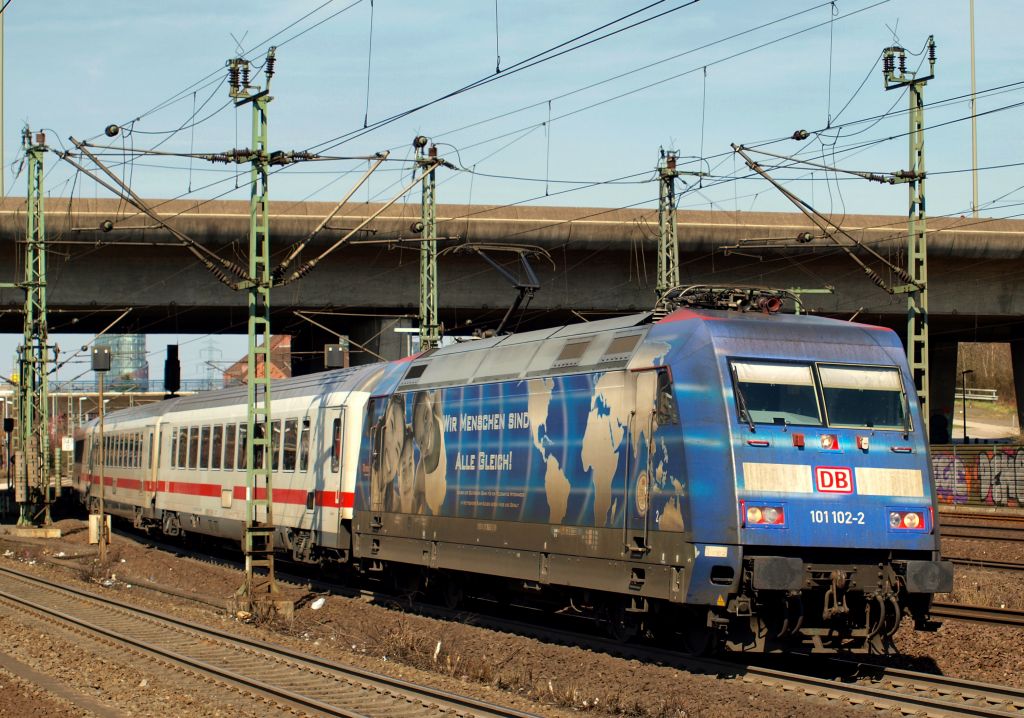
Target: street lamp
(101, 365)
(963, 396)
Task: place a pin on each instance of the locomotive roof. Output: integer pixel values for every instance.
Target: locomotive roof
(599, 345)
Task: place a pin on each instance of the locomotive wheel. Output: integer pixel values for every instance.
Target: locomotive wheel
(698, 637)
(621, 625)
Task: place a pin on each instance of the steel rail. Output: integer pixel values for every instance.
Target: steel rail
(1016, 535)
(986, 563)
(981, 614)
(376, 694)
(892, 690)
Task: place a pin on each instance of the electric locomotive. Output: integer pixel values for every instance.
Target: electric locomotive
(716, 472)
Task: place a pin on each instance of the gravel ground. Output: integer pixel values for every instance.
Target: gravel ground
(513, 670)
(22, 699)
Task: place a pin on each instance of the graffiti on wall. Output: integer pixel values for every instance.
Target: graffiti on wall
(983, 475)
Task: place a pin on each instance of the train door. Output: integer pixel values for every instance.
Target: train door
(643, 386)
(152, 468)
(332, 419)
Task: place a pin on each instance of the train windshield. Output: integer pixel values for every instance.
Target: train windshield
(863, 397)
(777, 393)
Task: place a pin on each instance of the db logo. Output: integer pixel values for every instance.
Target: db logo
(834, 479)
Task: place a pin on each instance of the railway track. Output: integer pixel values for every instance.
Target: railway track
(885, 689)
(985, 563)
(1013, 534)
(294, 681)
(981, 614)
(891, 690)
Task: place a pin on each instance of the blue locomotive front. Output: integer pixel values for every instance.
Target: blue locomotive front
(812, 505)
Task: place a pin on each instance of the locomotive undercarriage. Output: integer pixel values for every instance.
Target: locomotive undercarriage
(784, 604)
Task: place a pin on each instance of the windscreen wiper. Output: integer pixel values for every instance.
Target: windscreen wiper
(744, 412)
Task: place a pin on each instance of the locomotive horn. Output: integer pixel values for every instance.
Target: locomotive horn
(769, 305)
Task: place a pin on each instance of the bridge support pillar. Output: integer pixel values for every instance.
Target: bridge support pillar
(1017, 362)
(378, 337)
(308, 343)
(942, 390)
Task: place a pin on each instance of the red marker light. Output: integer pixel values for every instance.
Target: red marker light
(863, 442)
(798, 440)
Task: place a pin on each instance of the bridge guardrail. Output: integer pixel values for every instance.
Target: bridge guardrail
(978, 395)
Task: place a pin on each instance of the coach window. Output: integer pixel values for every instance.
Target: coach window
(304, 446)
(243, 440)
(204, 448)
(775, 393)
(275, 445)
(259, 431)
(193, 447)
(290, 445)
(336, 446)
(174, 448)
(216, 446)
(182, 447)
(149, 465)
(229, 447)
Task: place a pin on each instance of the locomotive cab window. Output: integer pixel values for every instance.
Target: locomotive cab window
(868, 397)
(776, 393)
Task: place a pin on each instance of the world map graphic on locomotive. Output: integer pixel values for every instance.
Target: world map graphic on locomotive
(549, 450)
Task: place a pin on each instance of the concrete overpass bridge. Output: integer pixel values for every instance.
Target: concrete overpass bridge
(602, 262)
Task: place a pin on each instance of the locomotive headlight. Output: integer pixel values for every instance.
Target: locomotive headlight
(754, 515)
(772, 515)
(913, 520)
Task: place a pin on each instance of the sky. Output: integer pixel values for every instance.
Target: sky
(581, 126)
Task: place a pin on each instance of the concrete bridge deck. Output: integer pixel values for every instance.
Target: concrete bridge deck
(602, 261)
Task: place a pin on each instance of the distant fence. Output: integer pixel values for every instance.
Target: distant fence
(980, 475)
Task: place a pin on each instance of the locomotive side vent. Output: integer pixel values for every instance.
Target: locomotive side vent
(571, 354)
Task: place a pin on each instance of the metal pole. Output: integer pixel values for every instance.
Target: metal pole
(258, 537)
(917, 230)
(3, 192)
(974, 127)
(668, 244)
(430, 334)
(34, 405)
(103, 481)
(963, 396)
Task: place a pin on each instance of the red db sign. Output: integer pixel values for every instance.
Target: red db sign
(834, 479)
